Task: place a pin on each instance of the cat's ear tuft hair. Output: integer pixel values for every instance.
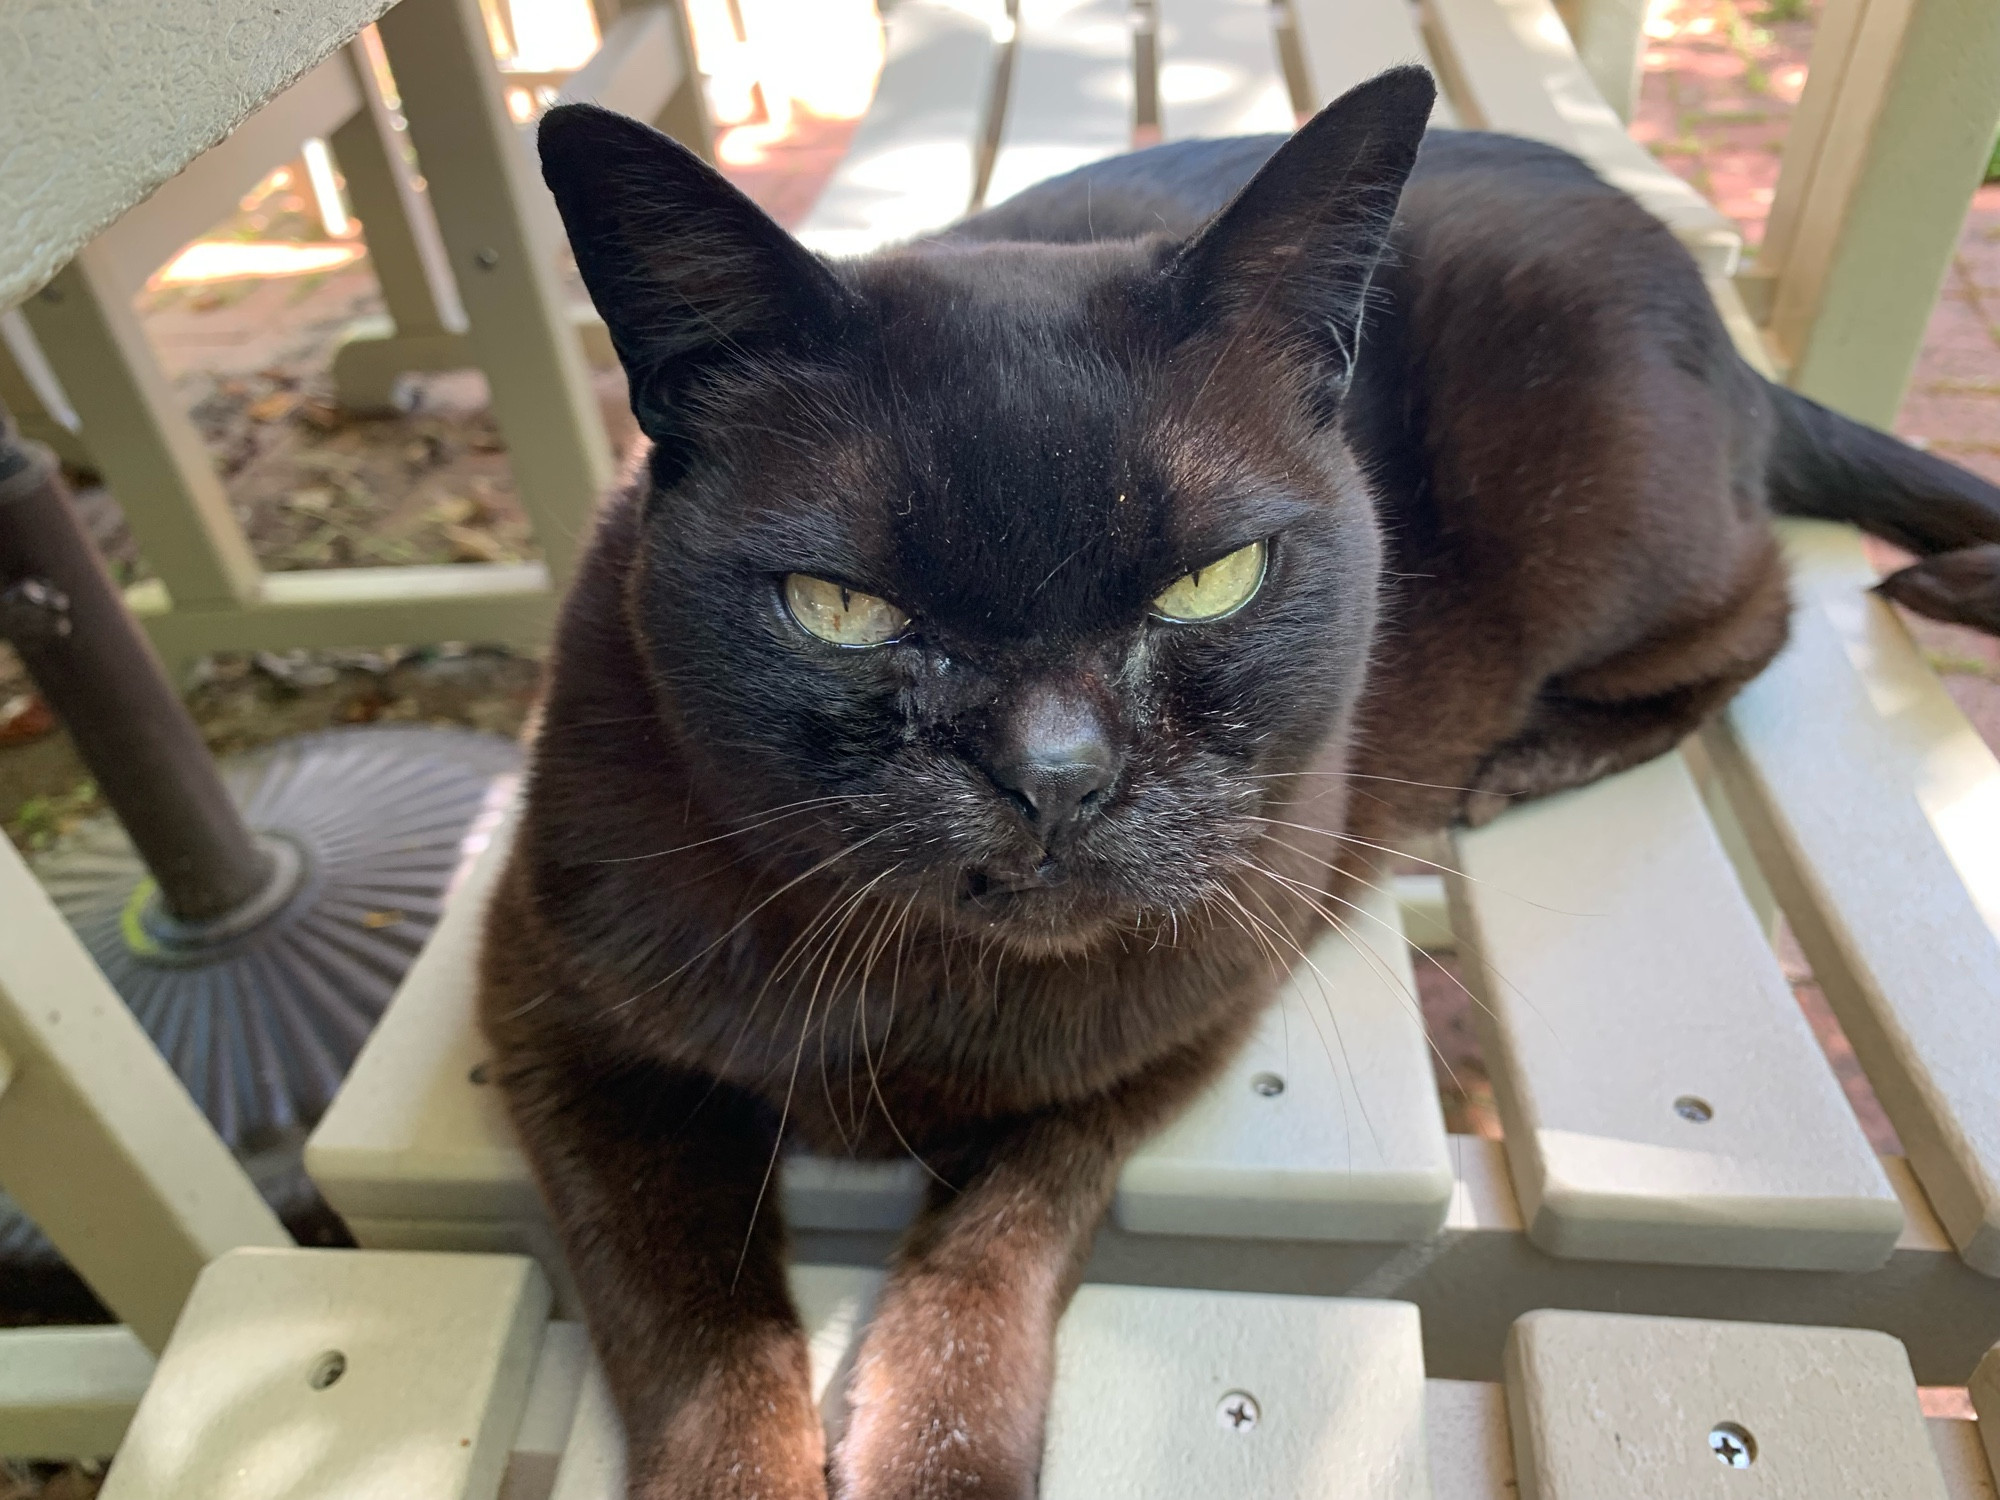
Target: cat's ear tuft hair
(687, 273)
(1294, 251)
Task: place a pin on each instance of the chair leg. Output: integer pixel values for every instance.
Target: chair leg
(1894, 131)
(1610, 39)
(519, 323)
(28, 387)
(148, 451)
(404, 248)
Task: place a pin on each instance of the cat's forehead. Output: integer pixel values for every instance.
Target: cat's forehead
(1008, 446)
(1034, 466)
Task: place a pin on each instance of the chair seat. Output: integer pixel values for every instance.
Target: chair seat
(298, 1374)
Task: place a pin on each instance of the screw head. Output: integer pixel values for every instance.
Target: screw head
(1267, 1085)
(1697, 1111)
(328, 1368)
(1732, 1445)
(481, 1073)
(487, 258)
(1237, 1412)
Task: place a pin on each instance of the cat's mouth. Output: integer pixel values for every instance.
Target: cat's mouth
(1000, 893)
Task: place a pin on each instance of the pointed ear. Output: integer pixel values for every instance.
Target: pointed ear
(687, 273)
(1293, 252)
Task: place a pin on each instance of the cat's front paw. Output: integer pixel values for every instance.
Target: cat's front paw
(750, 1431)
(920, 1445)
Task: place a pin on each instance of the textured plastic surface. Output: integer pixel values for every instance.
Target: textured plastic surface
(1666, 1409)
(1073, 95)
(1147, 1381)
(912, 165)
(1142, 1376)
(1349, 41)
(100, 104)
(1875, 809)
(1326, 1126)
(1662, 1095)
(331, 1375)
(1219, 71)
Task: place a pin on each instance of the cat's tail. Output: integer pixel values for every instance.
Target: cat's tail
(1829, 466)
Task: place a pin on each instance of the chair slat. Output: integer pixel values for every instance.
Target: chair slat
(1327, 1126)
(1353, 1148)
(1662, 1095)
(69, 1393)
(1875, 810)
(1511, 67)
(1336, 1390)
(1073, 92)
(1348, 41)
(316, 1374)
(913, 163)
(1664, 1409)
(1984, 1388)
(636, 69)
(1219, 73)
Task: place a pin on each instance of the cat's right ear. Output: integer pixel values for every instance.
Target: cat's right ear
(687, 273)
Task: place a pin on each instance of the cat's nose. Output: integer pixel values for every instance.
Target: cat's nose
(1055, 761)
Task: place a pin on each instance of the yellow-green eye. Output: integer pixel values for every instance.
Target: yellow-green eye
(844, 616)
(1221, 588)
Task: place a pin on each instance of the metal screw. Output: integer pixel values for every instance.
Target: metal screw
(1270, 1085)
(487, 258)
(328, 1368)
(1238, 1412)
(481, 1073)
(1732, 1445)
(34, 612)
(1699, 1111)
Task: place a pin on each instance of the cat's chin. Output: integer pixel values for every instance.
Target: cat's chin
(1039, 918)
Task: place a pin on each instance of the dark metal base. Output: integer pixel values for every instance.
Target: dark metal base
(261, 1011)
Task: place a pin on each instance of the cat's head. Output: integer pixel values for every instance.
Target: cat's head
(1011, 581)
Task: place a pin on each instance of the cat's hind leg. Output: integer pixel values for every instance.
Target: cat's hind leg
(1592, 723)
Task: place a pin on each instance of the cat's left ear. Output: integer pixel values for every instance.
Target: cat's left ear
(688, 274)
(1292, 254)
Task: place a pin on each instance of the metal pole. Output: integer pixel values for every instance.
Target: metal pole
(99, 673)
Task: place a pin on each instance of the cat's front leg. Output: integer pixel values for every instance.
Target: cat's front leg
(653, 1179)
(951, 1385)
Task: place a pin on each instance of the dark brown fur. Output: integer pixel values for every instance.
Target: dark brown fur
(1534, 541)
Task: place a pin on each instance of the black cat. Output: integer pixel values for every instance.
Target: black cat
(1011, 645)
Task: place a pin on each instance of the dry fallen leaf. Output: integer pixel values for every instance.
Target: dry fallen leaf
(313, 501)
(274, 407)
(468, 545)
(25, 717)
(455, 510)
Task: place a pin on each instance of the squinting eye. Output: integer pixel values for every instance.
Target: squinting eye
(1221, 588)
(844, 616)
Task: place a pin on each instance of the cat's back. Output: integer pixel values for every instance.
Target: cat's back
(1173, 189)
